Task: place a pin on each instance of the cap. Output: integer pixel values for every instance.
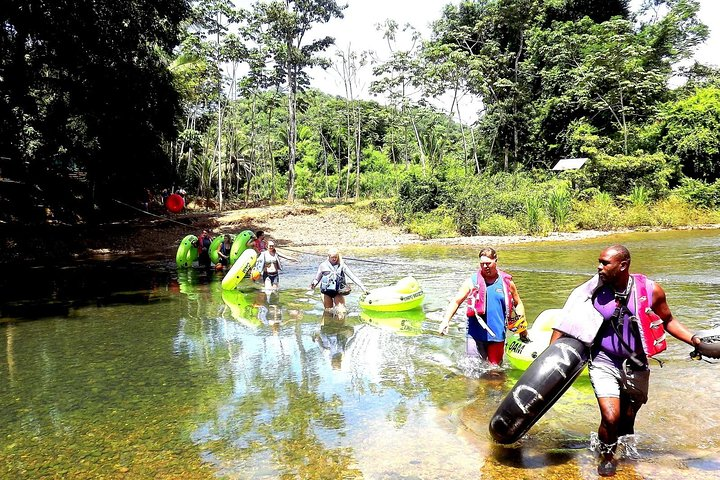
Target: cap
(271, 243)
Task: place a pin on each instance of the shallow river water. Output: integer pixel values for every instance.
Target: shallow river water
(121, 370)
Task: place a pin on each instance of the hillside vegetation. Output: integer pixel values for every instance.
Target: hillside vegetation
(137, 103)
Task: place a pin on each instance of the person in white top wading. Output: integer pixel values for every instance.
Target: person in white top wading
(331, 278)
(270, 261)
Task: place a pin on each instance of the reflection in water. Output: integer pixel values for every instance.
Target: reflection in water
(334, 337)
(269, 311)
(408, 322)
(200, 383)
(9, 353)
(275, 408)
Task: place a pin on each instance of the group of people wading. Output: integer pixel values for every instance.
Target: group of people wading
(267, 265)
(622, 317)
(331, 276)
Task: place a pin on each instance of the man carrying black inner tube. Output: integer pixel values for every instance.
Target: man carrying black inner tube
(623, 318)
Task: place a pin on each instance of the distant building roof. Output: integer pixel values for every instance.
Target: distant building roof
(569, 163)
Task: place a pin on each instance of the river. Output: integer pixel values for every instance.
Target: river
(123, 370)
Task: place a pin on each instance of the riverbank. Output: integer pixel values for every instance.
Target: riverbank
(324, 225)
(295, 226)
(155, 236)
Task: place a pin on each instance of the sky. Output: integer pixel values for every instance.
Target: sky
(357, 31)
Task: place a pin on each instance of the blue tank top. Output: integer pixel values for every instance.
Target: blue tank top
(607, 347)
(494, 314)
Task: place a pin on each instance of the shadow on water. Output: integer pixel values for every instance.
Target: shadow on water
(40, 292)
(517, 457)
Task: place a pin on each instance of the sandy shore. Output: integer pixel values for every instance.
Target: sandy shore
(156, 236)
(312, 226)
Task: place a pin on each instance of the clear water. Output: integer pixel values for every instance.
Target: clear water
(138, 371)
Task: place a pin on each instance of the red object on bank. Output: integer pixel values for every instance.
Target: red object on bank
(175, 203)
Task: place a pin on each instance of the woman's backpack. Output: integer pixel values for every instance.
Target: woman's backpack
(330, 283)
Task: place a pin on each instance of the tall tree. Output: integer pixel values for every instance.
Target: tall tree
(208, 38)
(347, 66)
(689, 129)
(540, 66)
(284, 39)
(398, 78)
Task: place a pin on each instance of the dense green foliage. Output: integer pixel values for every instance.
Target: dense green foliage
(87, 104)
(216, 99)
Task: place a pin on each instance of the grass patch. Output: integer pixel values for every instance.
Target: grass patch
(371, 214)
(436, 224)
(499, 225)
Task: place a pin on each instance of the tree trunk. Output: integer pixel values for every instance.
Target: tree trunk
(292, 125)
(358, 155)
(219, 127)
(419, 143)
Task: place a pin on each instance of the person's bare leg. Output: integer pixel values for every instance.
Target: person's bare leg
(608, 434)
(626, 429)
(340, 309)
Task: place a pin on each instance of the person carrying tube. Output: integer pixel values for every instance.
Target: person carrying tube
(331, 277)
(224, 251)
(493, 305)
(203, 246)
(623, 318)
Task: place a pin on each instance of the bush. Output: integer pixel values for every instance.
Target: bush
(376, 161)
(699, 193)
(419, 194)
(637, 216)
(676, 212)
(305, 186)
(639, 197)
(436, 224)
(474, 200)
(375, 184)
(499, 225)
(382, 207)
(600, 213)
(559, 205)
(618, 175)
(370, 213)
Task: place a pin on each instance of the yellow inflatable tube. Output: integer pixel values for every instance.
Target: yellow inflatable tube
(239, 269)
(521, 354)
(404, 295)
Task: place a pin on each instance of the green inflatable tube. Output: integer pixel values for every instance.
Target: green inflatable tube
(186, 252)
(214, 257)
(240, 244)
